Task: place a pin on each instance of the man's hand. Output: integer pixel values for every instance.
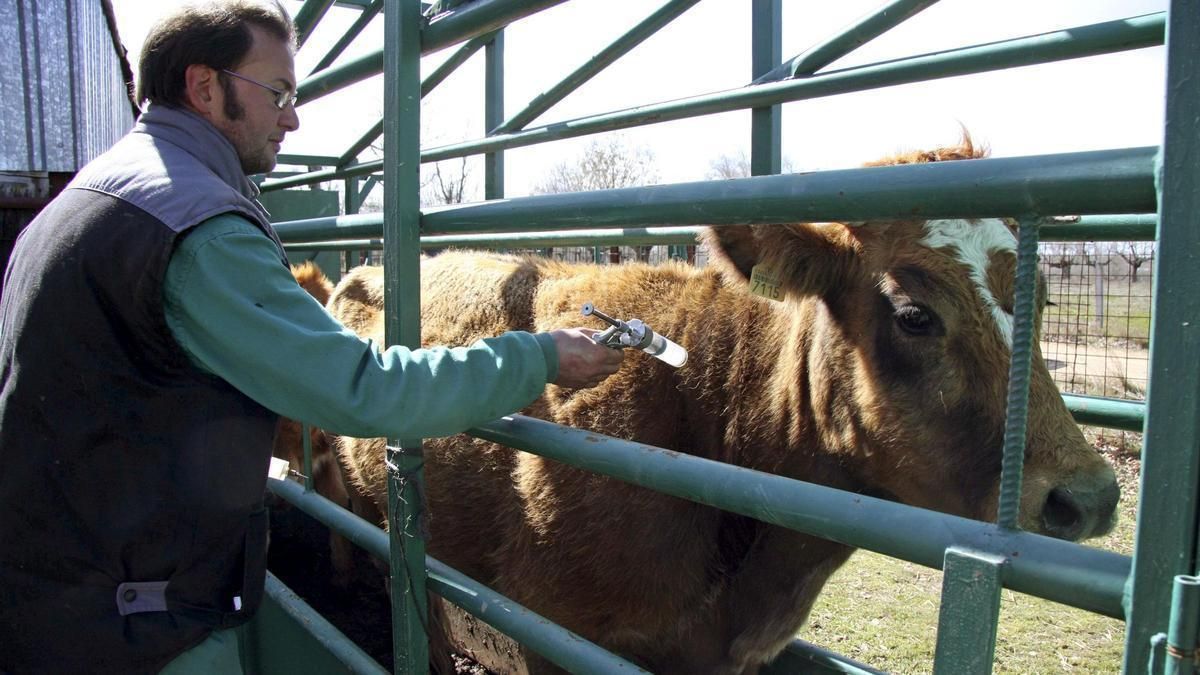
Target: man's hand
(581, 362)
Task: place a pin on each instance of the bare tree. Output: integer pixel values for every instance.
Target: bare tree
(1136, 253)
(605, 164)
(1061, 258)
(738, 166)
(445, 187)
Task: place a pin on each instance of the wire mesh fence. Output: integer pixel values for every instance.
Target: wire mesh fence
(1096, 329)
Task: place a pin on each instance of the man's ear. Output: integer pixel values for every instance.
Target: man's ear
(202, 89)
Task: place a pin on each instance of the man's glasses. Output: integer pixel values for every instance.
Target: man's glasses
(283, 98)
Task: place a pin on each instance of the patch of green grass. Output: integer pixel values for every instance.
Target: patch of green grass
(884, 613)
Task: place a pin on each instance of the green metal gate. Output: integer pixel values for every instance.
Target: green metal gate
(1151, 591)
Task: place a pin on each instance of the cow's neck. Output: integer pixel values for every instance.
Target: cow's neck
(749, 361)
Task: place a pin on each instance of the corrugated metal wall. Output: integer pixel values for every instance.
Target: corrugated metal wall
(62, 97)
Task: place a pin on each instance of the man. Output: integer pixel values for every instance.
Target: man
(150, 336)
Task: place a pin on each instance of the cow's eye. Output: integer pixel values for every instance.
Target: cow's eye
(916, 320)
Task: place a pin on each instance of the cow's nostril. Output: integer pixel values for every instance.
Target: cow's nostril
(1062, 515)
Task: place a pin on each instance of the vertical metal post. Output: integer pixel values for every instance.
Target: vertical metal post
(1185, 621)
(493, 115)
(1017, 416)
(1166, 536)
(306, 436)
(350, 204)
(970, 612)
(402, 307)
(766, 128)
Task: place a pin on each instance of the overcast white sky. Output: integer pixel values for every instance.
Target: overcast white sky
(1101, 102)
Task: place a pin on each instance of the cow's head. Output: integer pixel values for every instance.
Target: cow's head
(906, 340)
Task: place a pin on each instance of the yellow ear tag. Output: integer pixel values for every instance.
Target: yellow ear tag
(763, 282)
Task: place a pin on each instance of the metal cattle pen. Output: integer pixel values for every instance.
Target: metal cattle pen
(1151, 591)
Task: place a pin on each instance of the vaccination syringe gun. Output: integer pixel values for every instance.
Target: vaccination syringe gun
(635, 334)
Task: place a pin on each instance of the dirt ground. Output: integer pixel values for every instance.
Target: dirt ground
(1072, 362)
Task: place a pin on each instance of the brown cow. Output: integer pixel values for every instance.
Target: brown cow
(881, 371)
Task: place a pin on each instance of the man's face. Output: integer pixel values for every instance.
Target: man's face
(248, 116)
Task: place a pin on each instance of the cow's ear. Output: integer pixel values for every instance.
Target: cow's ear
(806, 258)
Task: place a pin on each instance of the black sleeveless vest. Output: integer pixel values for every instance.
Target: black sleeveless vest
(131, 483)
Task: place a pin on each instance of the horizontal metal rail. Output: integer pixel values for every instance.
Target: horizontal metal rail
(1097, 182)
(1087, 228)
(1111, 413)
(1066, 573)
(1078, 42)
(1139, 227)
(1102, 181)
(628, 236)
(1102, 38)
(566, 649)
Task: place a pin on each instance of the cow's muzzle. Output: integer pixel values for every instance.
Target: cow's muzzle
(1076, 512)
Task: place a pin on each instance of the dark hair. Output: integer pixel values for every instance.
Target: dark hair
(215, 34)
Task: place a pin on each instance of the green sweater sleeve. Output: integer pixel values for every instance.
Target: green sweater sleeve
(241, 316)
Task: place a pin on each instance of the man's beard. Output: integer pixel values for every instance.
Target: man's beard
(234, 111)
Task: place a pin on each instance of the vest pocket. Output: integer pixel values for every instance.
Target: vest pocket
(238, 609)
(254, 572)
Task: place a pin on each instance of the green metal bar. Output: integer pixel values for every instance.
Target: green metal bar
(470, 21)
(335, 78)
(606, 57)
(350, 155)
(306, 439)
(427, 85)
(493, 113)
(970, 612)
(351, 171)
(306, 160)
(402, 324)
(352, 200)
(801, 656)
(367, 186)
(459, 57)
(1107, 412)
(1091, 40)
(861, 32)
(1104, 181)
(1166, 537)
(476, 18)
(766, 122)
(364, 18)
(307, 18)
(1134, 227)
(349, 657)
(1067, 573)
(339, 245)
(566, 649)
(1017, 412)
(435, 78)
(1131, 33)
(562, 647)
(1185, 621)
(646, 236)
